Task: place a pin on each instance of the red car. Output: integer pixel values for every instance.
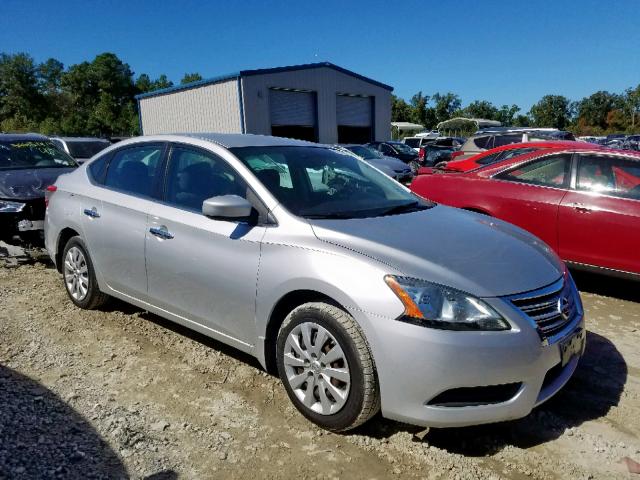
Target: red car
(504, 152)
(584, 203)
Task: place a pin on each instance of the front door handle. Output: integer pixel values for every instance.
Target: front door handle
(581, 207)
(161, 232)
(93, 212)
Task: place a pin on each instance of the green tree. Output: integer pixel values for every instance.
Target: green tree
(521, 121)
(594, 109)
(632, 107)
(480, 109)
(419, 108)
(101, 97)
(507, 114)
(22, 105)
(551, 111)
(190, 77)
(400, 110)
(445, 105)
(144, 83)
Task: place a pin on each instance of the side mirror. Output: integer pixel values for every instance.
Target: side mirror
(226, 206)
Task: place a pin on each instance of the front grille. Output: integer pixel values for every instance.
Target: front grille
(551, 308)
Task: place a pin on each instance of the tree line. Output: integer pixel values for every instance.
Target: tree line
(90, 98)
(97, 99)
(598, 114)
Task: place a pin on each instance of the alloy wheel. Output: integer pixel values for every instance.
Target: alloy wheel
(76, 273)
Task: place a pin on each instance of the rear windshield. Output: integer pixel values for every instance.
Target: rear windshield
(482, 142)
(85, 149)
(32, 154)
(402, 148)
(412, 142)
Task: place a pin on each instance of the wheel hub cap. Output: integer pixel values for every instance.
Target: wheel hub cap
(316, 368)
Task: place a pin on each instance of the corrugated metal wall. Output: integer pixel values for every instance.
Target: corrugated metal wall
(328, 83)
(212, 108)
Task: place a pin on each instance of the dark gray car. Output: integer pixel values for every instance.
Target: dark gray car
(392, 167)
(28, 165)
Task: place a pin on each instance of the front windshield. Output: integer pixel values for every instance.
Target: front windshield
(32, 154)
(402, 148)
(364, 152)
(317, 182)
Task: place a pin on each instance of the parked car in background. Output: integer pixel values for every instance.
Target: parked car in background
(420, 140)
(488, 139)
(392, 167)
(81, 148)
(584, 203)
(327, 271)
(439, 150)
(398, 150)
(632, 142)
(29, 163)
(499, 154)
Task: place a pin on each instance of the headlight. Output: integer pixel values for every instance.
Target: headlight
(436, 306)
(11, 207)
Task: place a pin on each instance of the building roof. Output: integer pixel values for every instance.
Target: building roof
(261, 71)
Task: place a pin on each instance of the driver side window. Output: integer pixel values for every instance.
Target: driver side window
(194, 176)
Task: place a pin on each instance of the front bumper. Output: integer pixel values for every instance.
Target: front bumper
(27, 224)
(418, 365)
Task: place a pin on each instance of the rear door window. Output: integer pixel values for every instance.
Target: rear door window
(611, 175)
(550, 171)
(135, 170)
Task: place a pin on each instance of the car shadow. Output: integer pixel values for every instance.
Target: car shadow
(43, 437)
(608, 286)
(115, 305)
(594, 389)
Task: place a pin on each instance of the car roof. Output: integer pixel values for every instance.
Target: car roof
(542, 144)
(226, 140)
(550, 151)
(17, 137)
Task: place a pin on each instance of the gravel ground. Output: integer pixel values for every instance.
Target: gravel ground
(121, 393)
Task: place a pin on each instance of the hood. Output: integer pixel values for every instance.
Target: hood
(389, 163)
(468, 251)
(28, 184)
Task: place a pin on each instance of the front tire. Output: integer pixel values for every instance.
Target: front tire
(79, 276)
(326, 367)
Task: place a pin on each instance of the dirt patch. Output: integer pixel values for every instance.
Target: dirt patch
(123, 393)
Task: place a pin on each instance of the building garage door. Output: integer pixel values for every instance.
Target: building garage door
(293, 114)
(354, 116)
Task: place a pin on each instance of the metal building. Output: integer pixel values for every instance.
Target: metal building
(320, 102)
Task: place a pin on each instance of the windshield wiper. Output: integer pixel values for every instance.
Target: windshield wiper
(321, 216)
(405, 208)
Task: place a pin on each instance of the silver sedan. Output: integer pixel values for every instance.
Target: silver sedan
(360, 295)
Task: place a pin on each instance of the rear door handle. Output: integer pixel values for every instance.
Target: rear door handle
(161, 232)
(93, 212)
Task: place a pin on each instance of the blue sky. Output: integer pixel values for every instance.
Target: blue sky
(504, 52)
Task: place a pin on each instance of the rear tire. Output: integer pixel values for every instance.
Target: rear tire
(327, 368)
(79, 276)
